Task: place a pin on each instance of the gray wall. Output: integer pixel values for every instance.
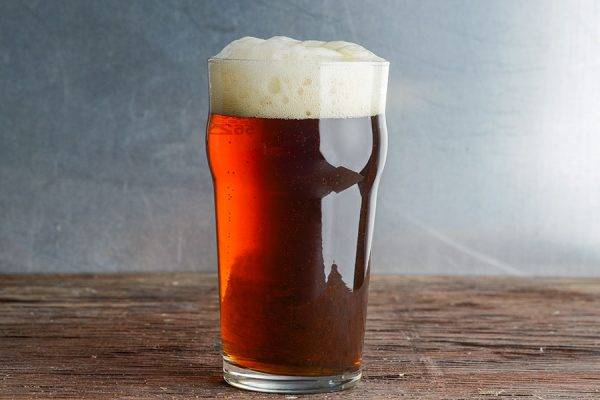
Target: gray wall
(493, 114)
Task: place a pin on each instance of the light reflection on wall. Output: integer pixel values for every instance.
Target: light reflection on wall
(495, 142)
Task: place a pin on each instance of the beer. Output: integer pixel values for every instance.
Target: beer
(294, 294)
(295, 205)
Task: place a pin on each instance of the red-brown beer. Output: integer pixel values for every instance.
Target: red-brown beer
(295, 203)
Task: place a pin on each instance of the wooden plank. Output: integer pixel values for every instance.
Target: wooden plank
(147, 336)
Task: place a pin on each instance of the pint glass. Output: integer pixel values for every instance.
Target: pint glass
(296, 150)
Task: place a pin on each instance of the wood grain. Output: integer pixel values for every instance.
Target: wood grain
(155, 336)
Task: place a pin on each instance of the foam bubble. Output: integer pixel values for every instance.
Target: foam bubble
(286, 78)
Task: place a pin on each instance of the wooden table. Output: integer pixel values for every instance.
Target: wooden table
(155, 336)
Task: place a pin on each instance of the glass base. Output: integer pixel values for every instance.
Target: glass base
(260, 382)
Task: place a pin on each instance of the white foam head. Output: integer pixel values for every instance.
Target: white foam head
(286, 78)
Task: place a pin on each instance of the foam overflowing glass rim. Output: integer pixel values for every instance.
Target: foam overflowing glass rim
(290, 88)
(311, 62)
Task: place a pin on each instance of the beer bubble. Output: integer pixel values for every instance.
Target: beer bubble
(274, 86)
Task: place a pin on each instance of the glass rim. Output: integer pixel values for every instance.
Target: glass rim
(298, 62)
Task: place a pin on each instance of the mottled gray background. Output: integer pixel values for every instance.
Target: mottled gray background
(493, 114)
